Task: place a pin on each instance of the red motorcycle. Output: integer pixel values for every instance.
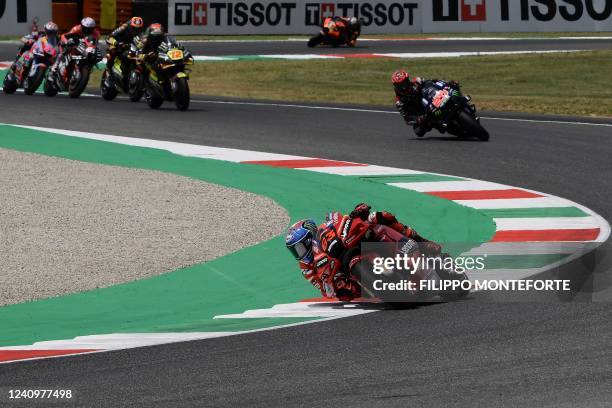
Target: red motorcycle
(73, 69)
(342, 253)
(337, 31)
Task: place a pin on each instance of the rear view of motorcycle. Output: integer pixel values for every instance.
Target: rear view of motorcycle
(167, 77)
(73, 70)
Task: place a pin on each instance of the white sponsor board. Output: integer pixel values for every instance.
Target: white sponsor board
(288, 17)
(16, 16)
(389, 16)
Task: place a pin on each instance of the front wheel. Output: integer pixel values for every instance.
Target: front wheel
(108, 90)
(9, 85)
(181, 93)
(153, 99)
(34, 81)
(472, 127)
(79, 80)
(49, 87)
(314, 41)
(136, 86)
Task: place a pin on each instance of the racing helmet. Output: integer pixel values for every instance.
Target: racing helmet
(331, 26)
(136, 22)
(88, 25)
(155, 33)
(299, 240)
(401, 82)
(51, 30)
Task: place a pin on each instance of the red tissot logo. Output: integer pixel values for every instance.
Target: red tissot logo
(473, 10)
(200, 13)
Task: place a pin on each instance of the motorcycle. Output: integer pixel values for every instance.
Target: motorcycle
(357, 263)
(17, 74)
(73, 69)
(451, 111)
(167, 77)
(44, 55)
(123, 76)
(29, 70)
(337, 33)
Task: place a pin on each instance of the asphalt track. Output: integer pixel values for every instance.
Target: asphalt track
(8, 51)
(467, 354)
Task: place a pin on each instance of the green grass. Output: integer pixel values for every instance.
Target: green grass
(559, 83)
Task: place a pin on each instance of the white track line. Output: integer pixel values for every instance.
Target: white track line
(467, 185)
(388, 112)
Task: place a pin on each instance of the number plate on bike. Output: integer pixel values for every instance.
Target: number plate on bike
(175, 54)
(440, 98)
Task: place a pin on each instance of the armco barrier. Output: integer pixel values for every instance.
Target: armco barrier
(389, 16)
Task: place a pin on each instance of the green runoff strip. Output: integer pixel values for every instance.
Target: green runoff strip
(255, 277)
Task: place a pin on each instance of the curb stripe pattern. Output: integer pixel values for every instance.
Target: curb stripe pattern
(545, 243)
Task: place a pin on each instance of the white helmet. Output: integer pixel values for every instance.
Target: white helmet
(88, 22)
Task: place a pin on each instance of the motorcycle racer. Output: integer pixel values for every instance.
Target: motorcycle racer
(48, 35)
(304, 240)
(341, 29)
(121, 38)
(151, 39)
(27, 41)
(87, 28)
(408, 99)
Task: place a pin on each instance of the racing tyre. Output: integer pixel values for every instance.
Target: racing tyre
(153, 100)
(79, 81)
(49, 87)
(9, 86)
(314, 41)
(472, 127)
(181, 93)
(33, 82)
(108, 92)
(136, 86)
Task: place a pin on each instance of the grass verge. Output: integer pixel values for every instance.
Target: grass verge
(559, 83)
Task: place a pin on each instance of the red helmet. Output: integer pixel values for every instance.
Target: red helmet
(401, 82)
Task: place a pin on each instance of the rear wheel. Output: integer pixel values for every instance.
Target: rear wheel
(79, 80)
(33, 82)
(181, 93)
(316, 40)
(136, 86)
(108, 90)
(472, 127)
(9, 85)
(49, 87)
(153, 99)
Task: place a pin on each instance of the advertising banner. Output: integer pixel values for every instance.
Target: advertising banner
(289, 17)
(389, 16)
(16, 16)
